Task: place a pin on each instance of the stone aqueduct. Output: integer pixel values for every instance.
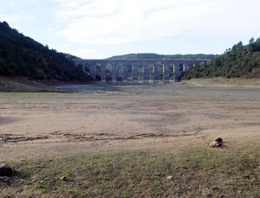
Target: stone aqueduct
(179, 66)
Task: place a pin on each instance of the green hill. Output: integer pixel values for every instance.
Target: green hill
(22, 56)
(240, 61)
(159, 56)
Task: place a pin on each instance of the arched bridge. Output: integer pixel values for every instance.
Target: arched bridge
(114, 70)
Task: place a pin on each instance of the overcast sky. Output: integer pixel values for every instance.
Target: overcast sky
(103, 28)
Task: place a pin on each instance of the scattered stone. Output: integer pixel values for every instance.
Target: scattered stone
(63, 178)
(214, 144)
(170, 177)
(218, 142)
(6, 170)
(5, 179)
(207, 192)
(1, 139)
(158, 174)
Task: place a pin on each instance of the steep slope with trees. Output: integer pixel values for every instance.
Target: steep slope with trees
(240, 61)
(22, 56)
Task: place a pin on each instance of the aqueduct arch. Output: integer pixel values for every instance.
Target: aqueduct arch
(137, 67)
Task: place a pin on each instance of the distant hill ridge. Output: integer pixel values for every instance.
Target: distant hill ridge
(22, 56)
(140, 56)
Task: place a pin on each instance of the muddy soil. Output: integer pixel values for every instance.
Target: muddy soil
(110, 118)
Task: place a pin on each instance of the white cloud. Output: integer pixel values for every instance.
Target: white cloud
(98, 22)
(17, 18)
(29, 1)
(94, 24)
(86, 53)
(10, 4)
(17, 12)
(118, 21)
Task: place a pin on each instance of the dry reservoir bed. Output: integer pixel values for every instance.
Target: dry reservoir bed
(112, 118)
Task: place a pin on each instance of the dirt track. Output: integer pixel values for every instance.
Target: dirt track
(96, 119)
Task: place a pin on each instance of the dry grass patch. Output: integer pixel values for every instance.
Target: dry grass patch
(204, 172)
(228, 81)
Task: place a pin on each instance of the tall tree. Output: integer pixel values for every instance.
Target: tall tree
(252, 40)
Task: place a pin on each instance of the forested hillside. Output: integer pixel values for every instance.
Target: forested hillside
(159, 56)
(22, 56)
(238, 61)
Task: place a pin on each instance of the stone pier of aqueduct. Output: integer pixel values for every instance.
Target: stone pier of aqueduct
(89, 66)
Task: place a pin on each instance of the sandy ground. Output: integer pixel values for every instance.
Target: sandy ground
(149, 118)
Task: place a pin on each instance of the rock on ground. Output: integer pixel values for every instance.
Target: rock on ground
(6, 170)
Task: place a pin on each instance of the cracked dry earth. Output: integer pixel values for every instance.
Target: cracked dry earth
(109, 118)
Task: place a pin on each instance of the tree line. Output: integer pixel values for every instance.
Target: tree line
(238, 61)
(23, 56)
(160, 56)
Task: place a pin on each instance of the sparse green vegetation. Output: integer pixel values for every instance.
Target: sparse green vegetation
(27, 182)
(204, 172)
(240, 61)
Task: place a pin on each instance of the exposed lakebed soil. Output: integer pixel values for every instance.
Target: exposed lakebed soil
(110, 118)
